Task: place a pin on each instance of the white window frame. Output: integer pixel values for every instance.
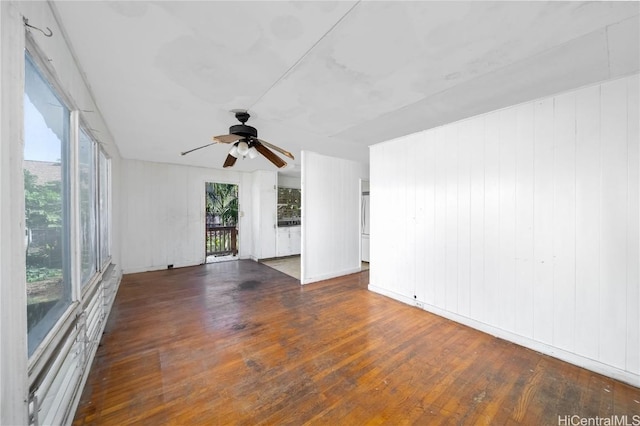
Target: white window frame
(58, 366)
(51, 340)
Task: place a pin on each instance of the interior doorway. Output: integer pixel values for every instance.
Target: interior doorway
(365, 223)
(221, 224)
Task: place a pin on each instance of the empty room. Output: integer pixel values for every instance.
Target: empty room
(319, 212)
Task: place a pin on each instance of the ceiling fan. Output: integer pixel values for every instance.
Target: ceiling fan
(245, 142)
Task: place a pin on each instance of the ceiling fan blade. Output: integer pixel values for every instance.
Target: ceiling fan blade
(277, 161)
(226, 138)
(276, 148)
(230, 161)
(195, 149)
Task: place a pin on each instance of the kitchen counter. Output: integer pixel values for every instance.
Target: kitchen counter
(288, 224)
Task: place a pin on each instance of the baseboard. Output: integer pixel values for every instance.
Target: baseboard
(570, 357)
(159, 267)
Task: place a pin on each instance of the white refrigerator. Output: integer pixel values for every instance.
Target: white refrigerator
(365, 226)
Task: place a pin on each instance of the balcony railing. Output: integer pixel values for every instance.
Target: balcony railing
(221, 240)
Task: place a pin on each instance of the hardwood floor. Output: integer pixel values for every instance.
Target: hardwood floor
(241, 343)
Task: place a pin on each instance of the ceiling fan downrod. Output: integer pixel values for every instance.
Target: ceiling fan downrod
(242, 117)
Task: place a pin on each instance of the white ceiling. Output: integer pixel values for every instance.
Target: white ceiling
(330, 77)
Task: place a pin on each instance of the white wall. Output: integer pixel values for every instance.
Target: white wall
(13, 297)
(264, 214)
(522, 222)
(163, 213)
(330, 216)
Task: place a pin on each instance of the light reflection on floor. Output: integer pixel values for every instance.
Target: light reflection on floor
(216, 259)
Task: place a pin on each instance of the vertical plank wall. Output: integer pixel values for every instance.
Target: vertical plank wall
(264, 213)
(522, 222)
(330, 216)
(163, 213)
(14, 386)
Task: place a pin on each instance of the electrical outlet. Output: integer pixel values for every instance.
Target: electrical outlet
(419, 305)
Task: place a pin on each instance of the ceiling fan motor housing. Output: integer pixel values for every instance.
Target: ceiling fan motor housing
(243, 130)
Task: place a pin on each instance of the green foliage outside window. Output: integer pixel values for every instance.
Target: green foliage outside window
(43, 203)
(222, 204)
(43, 216)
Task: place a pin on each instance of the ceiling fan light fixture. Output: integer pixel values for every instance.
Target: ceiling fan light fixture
(243, 148)
(234, 150)
(252, 152)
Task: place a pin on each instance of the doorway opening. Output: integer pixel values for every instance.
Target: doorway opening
(221, 224)
(365, 223)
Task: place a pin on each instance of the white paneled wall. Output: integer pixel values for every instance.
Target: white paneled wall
(14, 387)
(264, 217)
(163, 213)
(330, 216)
(522, 222)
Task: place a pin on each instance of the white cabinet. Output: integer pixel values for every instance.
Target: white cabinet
(288, 240)
(282, 243)
(295, 239)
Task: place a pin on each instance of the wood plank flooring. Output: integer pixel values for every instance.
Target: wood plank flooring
(241, 343)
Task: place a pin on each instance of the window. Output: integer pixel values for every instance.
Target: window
(46, 186)
(289, 206)
(93, 191)
(88, 210)
(103, 200)
(70, 286)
